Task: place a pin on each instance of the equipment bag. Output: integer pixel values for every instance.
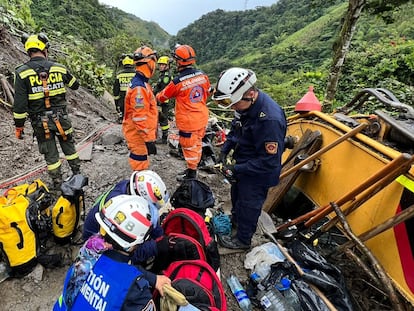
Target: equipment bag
(24, 220)
(190, 223)
(67, 210)
(176, 247)
(193, 194)
(198, 282)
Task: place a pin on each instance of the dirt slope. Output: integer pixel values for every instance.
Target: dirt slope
(94, 123)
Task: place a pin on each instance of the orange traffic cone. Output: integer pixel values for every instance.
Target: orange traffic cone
(308, 102)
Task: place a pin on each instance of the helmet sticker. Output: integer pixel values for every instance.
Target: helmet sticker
(120, 217)
(271, 147)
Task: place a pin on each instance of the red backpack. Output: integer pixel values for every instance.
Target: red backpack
(190, 223)
(199, 283)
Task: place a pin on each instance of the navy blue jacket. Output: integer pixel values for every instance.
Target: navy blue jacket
(257, 138)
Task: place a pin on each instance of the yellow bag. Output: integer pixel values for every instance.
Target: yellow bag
(66, 212)
(65, 216)
(18, 241)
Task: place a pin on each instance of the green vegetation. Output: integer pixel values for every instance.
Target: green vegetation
(289, 44)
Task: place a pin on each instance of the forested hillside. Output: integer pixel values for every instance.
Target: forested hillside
(289, 44)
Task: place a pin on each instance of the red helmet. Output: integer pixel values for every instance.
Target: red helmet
(184, 55)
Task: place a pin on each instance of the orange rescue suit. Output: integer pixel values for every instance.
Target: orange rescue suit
(140, 121)
(190, 90)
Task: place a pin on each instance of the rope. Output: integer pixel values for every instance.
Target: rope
(4, 184)
(221, 224)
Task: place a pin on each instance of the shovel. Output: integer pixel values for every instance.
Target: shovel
(269, 229)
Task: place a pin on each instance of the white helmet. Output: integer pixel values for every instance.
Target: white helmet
(126, 219)
(150, 186)
(231, 86)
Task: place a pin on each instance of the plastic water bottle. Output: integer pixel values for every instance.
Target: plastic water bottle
(239, 292)
(273, 300)
(290, 295)
(257, 281)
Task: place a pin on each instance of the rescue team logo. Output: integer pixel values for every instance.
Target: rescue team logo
(139, 100)
(196, 94)
(271, 147)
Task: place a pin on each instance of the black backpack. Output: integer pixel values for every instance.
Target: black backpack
(193, 194)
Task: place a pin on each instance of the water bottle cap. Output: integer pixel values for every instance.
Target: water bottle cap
(285, 282)
(254, 276)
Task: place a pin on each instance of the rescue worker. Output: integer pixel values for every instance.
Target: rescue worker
(164, 78)
(147, 184)
(190, 89)
(123, 77)
(141, 113)
(40, 95)
(102, 277)
(257, 140)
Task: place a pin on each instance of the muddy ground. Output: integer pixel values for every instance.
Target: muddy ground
(95, 126)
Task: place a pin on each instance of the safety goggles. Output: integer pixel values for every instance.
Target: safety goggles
(226, 103)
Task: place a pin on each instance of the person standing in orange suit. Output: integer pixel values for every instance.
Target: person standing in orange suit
(190, 90)
(141, 114)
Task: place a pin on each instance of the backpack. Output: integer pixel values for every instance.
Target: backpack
(178, 247)
(190, 223)
(67, 210)
(25, 223)
(193, 194)
(199, 283)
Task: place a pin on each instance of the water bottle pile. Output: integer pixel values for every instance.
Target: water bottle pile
(268, 290)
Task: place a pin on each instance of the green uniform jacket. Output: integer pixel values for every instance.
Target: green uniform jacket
(29, 99)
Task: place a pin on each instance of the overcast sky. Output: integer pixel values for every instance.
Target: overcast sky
(177, 14)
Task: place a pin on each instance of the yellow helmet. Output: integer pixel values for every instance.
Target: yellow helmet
(127, 61)
(39, 42)
(164, 60)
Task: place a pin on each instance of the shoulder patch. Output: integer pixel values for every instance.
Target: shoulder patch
(262, 114)
(139, 101)
(271, 147)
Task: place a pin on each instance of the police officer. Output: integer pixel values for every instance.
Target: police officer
(123, 77)
(190, 89)
(141, 113)
(102, 277)
(257, 139)
(40, 95)
(164, 78)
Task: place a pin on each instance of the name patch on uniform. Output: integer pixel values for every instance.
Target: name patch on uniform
(271, 147)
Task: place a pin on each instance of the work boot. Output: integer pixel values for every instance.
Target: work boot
(75, 167)
(232, 242)
(187, 174)
(55, 189)
(164, 139)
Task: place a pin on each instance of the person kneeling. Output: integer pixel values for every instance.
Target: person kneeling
(101, 277)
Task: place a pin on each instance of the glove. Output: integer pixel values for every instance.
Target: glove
(151, 148)
(19, 132)
(172, 299)
(229, 173)
(222, 158)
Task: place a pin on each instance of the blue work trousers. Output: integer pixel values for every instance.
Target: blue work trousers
(247, 197)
